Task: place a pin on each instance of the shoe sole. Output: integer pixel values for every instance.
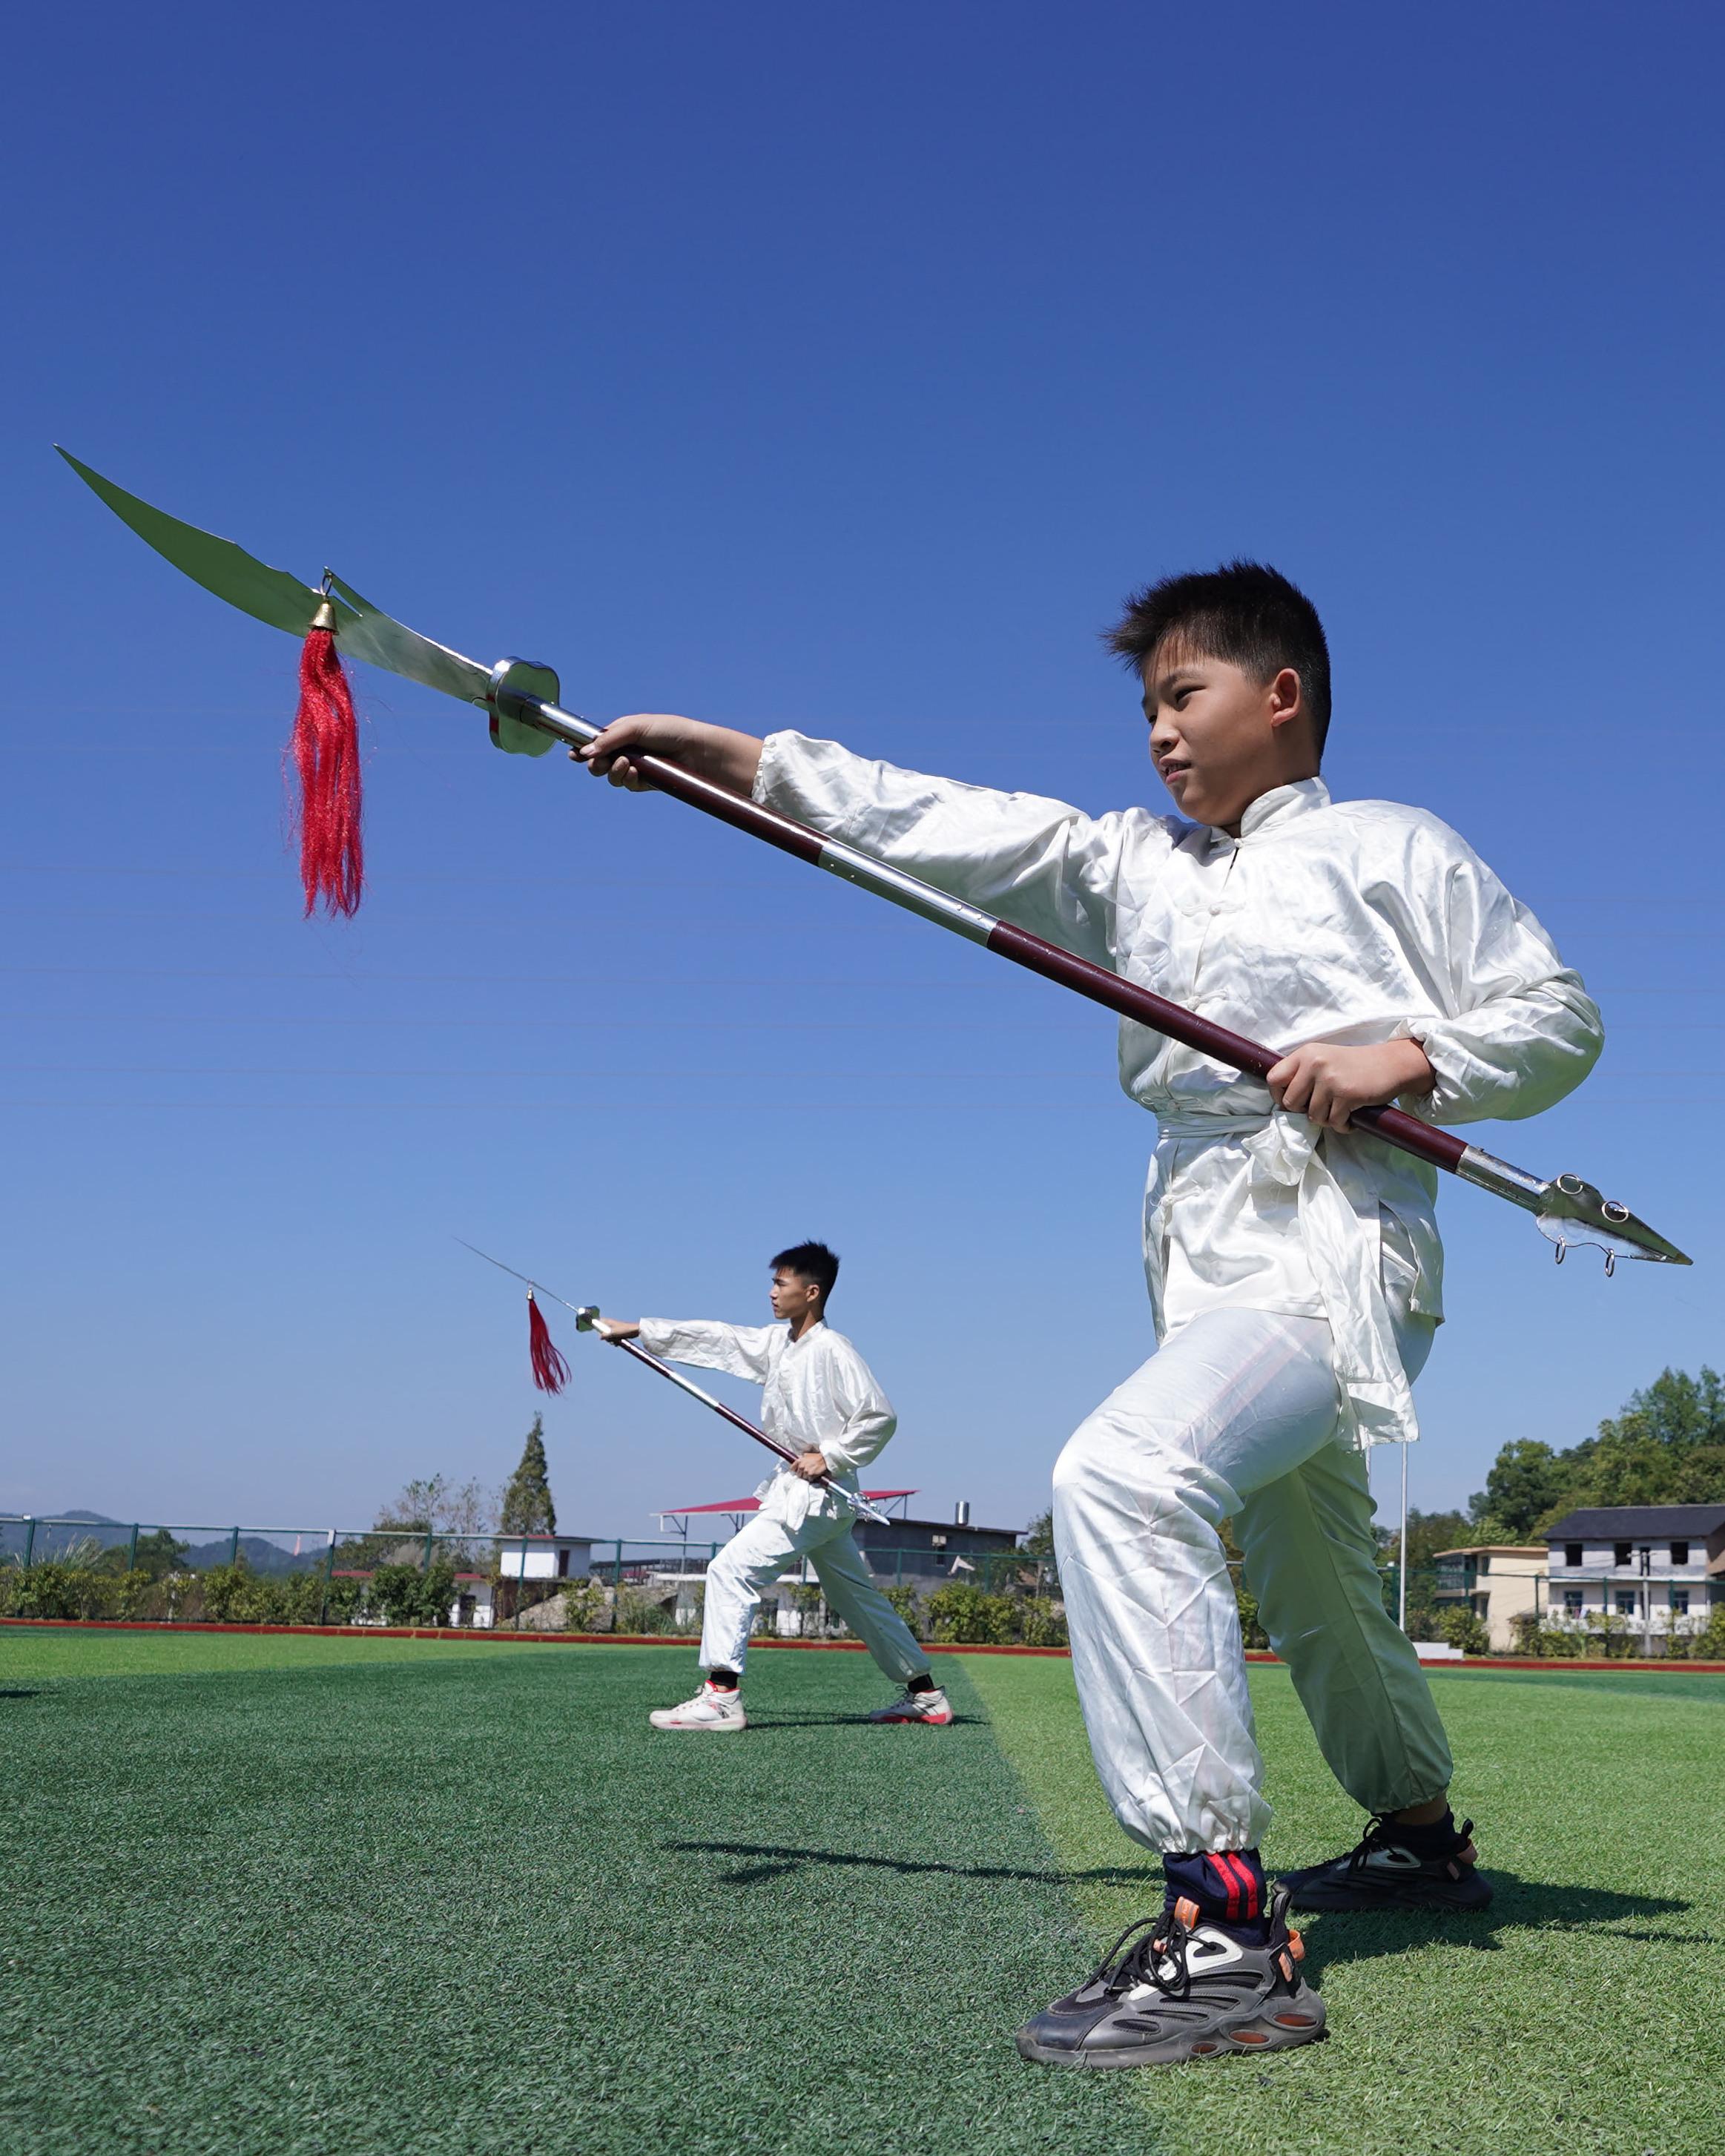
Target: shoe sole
(1265, 2034)
(703, 1728)
(1466, 1901)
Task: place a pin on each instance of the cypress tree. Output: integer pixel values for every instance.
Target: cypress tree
(527, 1507)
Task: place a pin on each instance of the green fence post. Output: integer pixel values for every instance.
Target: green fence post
(29, 1538)
(131, 1549)
(234, 1547)
(425, 1561)
(329, 1573)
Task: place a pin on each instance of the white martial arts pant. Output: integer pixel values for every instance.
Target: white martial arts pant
(1236, 1418)
(765, 1550)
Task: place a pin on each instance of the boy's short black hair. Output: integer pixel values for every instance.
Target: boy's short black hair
(1245, 612)
(810, 1261)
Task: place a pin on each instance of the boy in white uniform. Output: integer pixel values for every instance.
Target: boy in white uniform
(818, 1394)
(1294, 1264)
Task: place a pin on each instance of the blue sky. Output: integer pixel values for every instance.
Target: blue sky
(835, 369)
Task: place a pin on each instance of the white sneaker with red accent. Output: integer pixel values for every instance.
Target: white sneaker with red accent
(933, 1707)
(710, 1709)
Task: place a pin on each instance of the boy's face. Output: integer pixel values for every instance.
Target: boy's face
(791, 1297)
(1218, 738)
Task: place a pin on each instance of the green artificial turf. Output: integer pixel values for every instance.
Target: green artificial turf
(72, 1652)
(1580, 2012)
(330, 1895)
(457, 1899)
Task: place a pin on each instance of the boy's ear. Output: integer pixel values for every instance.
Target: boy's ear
(1288, 698)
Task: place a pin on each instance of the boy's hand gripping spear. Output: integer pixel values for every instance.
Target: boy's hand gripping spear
(521, 699)
(587, 1320)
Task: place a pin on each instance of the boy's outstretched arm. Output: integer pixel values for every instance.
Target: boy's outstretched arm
(1039, 863)
(728, 758)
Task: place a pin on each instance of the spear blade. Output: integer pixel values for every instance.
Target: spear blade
(279, 597)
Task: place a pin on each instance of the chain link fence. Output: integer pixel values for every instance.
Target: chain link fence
(77, 1568)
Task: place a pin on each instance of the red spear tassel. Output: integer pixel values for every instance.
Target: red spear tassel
(551, 1373)
(325, 750)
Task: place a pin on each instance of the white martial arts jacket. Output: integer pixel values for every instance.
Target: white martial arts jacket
(1348, 922)
(817, 1394)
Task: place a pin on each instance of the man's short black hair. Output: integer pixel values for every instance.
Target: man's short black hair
(810, 1261)
(1245, 612)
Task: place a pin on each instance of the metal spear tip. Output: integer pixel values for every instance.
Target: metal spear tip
(1571, 1213)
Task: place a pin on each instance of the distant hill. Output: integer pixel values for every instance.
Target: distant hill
(51, 1542)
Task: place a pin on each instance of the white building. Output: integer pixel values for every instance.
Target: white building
(519, 1557)
(1498, 1582)
(1657, 1567)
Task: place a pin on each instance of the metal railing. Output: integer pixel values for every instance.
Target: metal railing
(168, 1571)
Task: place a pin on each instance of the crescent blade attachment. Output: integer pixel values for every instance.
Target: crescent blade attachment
(279, 597)
(1571, 1212)
(269, 595)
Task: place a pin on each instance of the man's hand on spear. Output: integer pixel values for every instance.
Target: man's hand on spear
(728, 758)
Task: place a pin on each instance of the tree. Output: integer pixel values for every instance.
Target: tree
(527, 1508)
(1038, 1537)
(415, 1508)
(433, 1505)
(1526, 1480)
(1667, 1447)
(157, 1554)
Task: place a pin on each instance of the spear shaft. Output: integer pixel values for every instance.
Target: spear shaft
(1568, 1208)
(526, 718)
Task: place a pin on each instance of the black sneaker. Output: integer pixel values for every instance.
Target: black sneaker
(1383, 1872)
(1173, 1988)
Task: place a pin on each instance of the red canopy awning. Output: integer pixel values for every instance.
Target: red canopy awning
(753, 1504)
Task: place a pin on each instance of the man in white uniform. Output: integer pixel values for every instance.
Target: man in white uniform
(1294, 1264)
(819, 1395)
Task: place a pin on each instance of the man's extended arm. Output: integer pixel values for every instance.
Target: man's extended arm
(742, 1351)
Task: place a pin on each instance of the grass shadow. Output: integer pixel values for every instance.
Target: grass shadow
(17, 1694)
(771, 1722)
(775, 1860)
(1336, 1938)
(1332, 1940)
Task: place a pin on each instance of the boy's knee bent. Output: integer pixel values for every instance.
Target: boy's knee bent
(728, 1573)
(1080, 1472)
(1099, 1468)
(1109, 1476)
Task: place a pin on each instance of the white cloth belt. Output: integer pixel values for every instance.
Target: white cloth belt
(1346, 1258)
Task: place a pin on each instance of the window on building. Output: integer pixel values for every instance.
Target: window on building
(1626, 1598)
(1571, 1601)
(1484, 1563)
(1679, 1601)
(1622, 1552)
(1680, 1552)
(1571, 1553)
